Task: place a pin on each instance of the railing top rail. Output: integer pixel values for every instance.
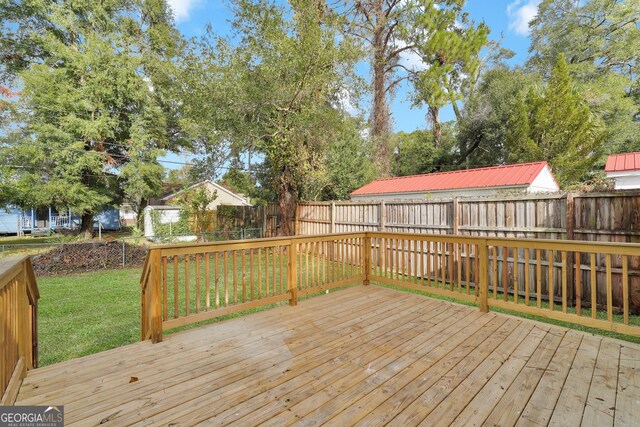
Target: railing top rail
(564, 245)
(10, 266)
(250, 243)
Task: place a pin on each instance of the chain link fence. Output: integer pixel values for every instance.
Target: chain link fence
(50, 259)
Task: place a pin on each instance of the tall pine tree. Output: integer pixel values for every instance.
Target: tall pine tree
(558, 127)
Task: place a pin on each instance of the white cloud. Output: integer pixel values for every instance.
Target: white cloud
(520, 13)
(182, 8)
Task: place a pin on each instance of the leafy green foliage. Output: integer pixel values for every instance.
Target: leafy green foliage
(449, 45)
(279, 85)
(600, 40)
(556, 126)
(196, 209)
(89, 122)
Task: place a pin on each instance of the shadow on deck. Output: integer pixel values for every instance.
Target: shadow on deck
(364, 355)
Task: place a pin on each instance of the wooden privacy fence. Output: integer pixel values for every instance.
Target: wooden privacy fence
(18, 324)
(184, 284)
(591, 217)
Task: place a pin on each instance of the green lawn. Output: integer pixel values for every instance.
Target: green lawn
(87, 313)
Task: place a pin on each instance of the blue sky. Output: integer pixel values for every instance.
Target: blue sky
(506, 18)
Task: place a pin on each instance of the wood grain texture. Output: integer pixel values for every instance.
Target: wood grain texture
(366, 355)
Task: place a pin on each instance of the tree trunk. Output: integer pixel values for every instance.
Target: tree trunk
(86, 225)
(287, 201)
(434, 118)
(381, 126)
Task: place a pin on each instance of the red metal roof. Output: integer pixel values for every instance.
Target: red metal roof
(623, 162)
(497, 176)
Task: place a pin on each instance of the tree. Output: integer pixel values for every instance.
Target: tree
(416, 153)
(484, 123)
(279, 84)
(449, 45)
(600, 40)
(195, 208)
(89, 123)
(556, 126)
(379, 25)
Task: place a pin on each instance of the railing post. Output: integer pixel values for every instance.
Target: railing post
(292, 270)
(483, 295)
(155, 309)
(23, 319)
(367, 259)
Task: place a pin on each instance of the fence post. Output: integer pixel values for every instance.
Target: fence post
(383, 215)
(292, 270)
(123, 254)
(483, 295)
(570, 226)
(296, 225)
(332, 214)
(155, 310)
(455, 220)
(367, 259)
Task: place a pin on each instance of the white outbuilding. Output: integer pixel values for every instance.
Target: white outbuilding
(624, 169)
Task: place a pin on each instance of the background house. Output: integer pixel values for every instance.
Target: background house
(523, 177)
(17, 221)
(166, 213)
(225, 197)
(624, 169)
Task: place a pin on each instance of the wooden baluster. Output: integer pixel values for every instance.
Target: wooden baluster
(266, 272)
(505, 273)
(564, 282)
(273, 270)
(244, 276)
(235, 278)
(429, 262)
(459, 265)
(165, 290)
(207, 279)
(538, 278)
(625, 289)
(216, 278)
(186, 284)
(609, 288)
(292, 286)
(467, 267)
(476, 268)
(527, 275)
(225, 264)
(594, 293)
(281, 256)
(197, 283)
(443, 264)
(516, 268)
(578, 276)
(494, 253)
(252, 294)
(451, 247)
(422, 262)
(176, 307)
(551, 284)
(259, 270)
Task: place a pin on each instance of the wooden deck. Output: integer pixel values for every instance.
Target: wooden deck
(366, 356)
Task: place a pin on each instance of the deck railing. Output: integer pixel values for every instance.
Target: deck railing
(586, 283)
(184, 284)
(18, 324)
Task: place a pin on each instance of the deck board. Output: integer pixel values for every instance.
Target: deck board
(364, 356)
